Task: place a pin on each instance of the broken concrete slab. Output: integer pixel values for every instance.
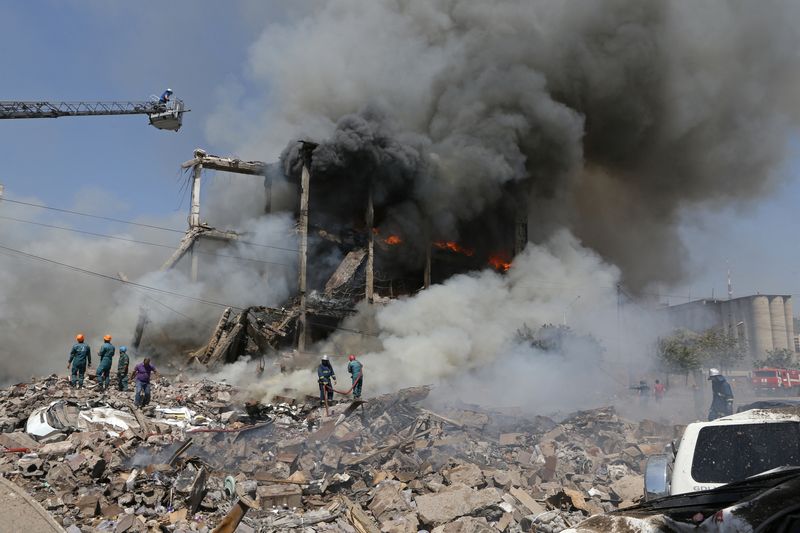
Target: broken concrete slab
(388, 499)
(454, 502)
(279, 495)
(466, 524)
(465, 474)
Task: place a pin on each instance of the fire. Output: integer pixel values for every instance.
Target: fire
(499, 262)
(393, 240)
(454, 247)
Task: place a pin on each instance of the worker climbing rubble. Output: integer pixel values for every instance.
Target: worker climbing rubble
(79, 357)
(106, 355)
(141, 373)
(326, 378)
(356, 370)
(722, 395)
(122, 369)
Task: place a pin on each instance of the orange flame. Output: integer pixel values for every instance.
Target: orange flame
(393, 240)
(454, 247)
(499, 262)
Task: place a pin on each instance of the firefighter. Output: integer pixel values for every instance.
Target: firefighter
(122, 369)
(79, 357)
(722, 395)
(106, 354)
(326, 377)
(164, 99)
(356, 370)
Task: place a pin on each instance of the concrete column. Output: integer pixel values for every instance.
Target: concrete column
(194, 210)
(778, 323)
(789, 316)
(762, 327)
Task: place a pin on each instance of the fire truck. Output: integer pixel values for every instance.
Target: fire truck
(775, 382)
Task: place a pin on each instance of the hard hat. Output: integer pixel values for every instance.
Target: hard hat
(352, 357)
(123, 348)
(325, 357)
(169, 91)
(713, 372)
(79, 337)
(107, 338)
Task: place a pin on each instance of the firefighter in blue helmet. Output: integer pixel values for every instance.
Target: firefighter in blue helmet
(326, 378)
(722, 395)
(106, 354)
(356, 370)
(122, 369)
(164, 99)
(79, 357)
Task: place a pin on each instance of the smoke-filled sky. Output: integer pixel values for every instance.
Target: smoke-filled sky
(661, 135)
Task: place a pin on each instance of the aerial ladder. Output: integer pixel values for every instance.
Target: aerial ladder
(164, 115)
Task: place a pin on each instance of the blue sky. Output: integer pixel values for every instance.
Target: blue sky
(99, 50)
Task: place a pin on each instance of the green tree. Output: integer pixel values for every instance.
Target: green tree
(781, 358)
(720, 349)
(679, 353)
(685, 351)
(558, 340)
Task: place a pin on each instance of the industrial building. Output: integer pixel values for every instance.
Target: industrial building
(763, 322)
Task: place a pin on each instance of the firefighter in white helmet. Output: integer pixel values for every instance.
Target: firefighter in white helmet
(722, 395)
(326, 378)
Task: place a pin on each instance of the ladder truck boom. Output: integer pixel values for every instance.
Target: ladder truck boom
(164, 116)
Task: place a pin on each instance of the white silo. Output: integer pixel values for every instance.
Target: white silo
(789, 315)
(778, 323)
(762, 328)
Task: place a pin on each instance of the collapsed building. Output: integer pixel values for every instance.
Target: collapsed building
(379, 256)
(206, 457)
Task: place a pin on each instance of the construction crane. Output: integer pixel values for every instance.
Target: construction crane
(163, 115)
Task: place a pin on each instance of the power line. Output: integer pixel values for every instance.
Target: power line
(155, 289)
(115, 279)
(129, 222)
(110, 219)
(135, 241)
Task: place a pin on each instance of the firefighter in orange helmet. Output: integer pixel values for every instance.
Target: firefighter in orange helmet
(79, 357)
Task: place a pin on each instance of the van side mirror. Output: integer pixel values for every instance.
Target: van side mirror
(656, 477)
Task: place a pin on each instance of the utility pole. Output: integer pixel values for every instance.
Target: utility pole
(305, 180)
(370, 288)
(426, 281)
(730, 284)
(194, 210)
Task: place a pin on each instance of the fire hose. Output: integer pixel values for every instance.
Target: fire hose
(345, 393)
(326, 387)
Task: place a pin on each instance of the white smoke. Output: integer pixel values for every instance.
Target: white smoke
(462, 335)
(43, 305)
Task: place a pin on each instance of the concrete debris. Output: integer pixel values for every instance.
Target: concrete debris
(204, 455)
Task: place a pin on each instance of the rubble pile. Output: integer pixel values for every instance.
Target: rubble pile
(201, 452)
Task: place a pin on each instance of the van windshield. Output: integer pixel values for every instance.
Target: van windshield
(731, 453)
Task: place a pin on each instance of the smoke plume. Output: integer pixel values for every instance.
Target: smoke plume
(609, 117)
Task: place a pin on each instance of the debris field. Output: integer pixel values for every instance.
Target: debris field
(201, 452)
